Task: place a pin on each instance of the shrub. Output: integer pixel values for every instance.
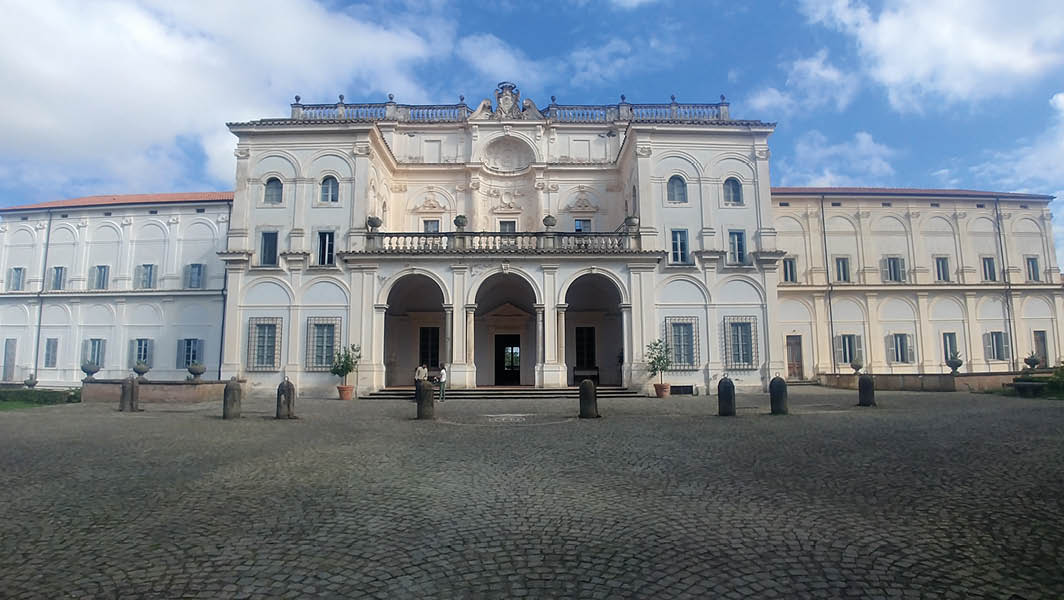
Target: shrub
(36, 396)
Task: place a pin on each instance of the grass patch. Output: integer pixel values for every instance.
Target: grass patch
(39, 397)
(16, 405)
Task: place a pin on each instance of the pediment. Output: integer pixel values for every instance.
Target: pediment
(507, 310)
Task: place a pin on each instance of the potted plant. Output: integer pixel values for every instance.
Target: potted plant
(346, 360)
(631, 221)
(856, 365)
(89, 368)
(954, 362)
(658, 360)
(196, 369)
(1032, 360)
(141, 368)
(460, 222)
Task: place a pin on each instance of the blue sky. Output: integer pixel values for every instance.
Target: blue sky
(130, 97)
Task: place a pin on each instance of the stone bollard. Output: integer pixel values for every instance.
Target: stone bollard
(286, 400)
(125, 401)
(231, 399)
(426, 400)
(866, 390)
(588, 400)
(725, 397)
(134, 395)
(777, 394)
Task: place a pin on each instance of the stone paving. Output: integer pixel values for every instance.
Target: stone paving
(927, 496)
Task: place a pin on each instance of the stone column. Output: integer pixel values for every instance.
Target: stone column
(925, 335)
(540, 350)
(234, 324)
(875, 351)
(973, 338)
(626, 343)
(448, 324)
(822, 340)
(550, 355)
(377, 346)
(560, 351)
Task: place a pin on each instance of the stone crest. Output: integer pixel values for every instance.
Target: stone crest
(508, 106)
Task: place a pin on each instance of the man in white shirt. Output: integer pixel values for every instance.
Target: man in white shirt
(421, 373)
(443, 382)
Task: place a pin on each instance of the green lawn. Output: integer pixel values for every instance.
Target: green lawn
(17, 404)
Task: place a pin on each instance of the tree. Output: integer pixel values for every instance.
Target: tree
(346, 361)
(658, 359)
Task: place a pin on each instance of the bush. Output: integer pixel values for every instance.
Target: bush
(41, 396)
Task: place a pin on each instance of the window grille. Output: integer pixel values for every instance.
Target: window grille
(264, 344)
(322, 333)
(681, 335)
(740, 343)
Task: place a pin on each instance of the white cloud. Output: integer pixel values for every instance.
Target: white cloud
(629, 4)
(498, 61)
(817, 162)
(812, 83)
(957, 50)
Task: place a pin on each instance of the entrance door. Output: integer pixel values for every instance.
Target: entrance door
(9, 359)
(508, 359)
(794, 357)
(1041, 349)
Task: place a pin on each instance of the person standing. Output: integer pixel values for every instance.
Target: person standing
(443, 382)
(421, 373)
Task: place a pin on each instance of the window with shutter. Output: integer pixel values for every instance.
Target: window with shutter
(858, 349)
(840, 352)
(910, 349)
(51, 351)
(892, 348)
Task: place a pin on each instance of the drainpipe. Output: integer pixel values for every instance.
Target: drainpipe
(225, 296)
(40, 298)
(1010, 313)
(831, 286)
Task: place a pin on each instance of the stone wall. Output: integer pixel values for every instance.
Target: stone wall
(964, 382)
(174, 392)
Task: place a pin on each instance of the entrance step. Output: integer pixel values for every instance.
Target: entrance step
(504, 393)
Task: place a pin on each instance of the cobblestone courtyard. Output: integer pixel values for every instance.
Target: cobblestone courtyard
(947, 496)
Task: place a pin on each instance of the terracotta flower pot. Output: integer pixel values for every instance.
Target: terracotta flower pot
(662, 390)
(345, 391)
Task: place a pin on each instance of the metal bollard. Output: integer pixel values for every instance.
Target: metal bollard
(725, 397)
(866, 390)
(286, 400)
(426, 400)
(125, 400)
(231, 398)
(588, 400)
(777, 393)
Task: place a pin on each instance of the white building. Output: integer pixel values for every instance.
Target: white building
(534, 246)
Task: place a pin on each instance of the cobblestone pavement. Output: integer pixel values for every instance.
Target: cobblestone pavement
(927, 496)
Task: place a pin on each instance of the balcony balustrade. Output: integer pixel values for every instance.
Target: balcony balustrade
(502, 243)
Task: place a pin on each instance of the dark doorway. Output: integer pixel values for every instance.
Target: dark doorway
(508, 359)
(794, 357)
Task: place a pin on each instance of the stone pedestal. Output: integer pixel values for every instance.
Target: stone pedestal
(588, 400)
(726, 398)
(231, 399)
(777, 393)
(426, 402)
(286, 400)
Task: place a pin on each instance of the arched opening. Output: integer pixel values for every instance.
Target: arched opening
(413, 330)
(505, 336)
(594, 337)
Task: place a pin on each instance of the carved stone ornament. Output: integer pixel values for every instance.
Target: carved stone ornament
(360, 150)
(507, 101)
(398, 187)
(83, 223)
(582, 203)
(241, 153)
(762, 154)
(531, 112)
(460, 187)
(552, 187)
(127, 220)
(223, 218)
(40, 225)
(3, 228)
(642, 151)
(431, 204)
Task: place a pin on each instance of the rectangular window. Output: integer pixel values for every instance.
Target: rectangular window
(1041, 347)
(142, 352)
(679, 246)
(58, 280)
(430, 225)
(94, 351)
(996, 346)
(842, 269)
(15, 279)
(1032, 268)
(941, 268)
(848, 348)
(189, 351)
(737, 247)
(508, 226)
(322, 334)
(326, 255)
(264, 343)
(144, 278)
(900, 348)
(790, 270)
(582, 225)
(682, 343)
(268, 249)
(429, 347)
(51, 352)
(893, 269)
(989, 270)
(194, 276)
(740, 352)
(949, 345)
(585, 348)
(100, 277)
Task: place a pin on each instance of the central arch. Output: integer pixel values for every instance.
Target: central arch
(505, 335)
(413, 329)
(594, 341)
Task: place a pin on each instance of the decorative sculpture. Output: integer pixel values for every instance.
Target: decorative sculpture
(286, 400)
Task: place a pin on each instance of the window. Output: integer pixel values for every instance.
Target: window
(15, 279)
(677, 192)
(1041, 347)
(679, 246)
(201, 210)
(585, 348)
(195, 276)
(785, 203)
(189, 351)
(842, 269)
(836, 203)
(100, 277)
(268, 249)
(326, 255)
(885, 204)
(848, 348)
(740, 352)
(1032, 268)
(264, 343)
(94, 351)
(935, 205)
(330, 189)
(51, 352)
(790, 270)
(949, 345)
(893, 269)
(429, 346)
(682, 343)
(58, 279)
(989, 270)
(996, 346)
(737, 247)
(900, 348)
(581, 225)
(144, 278)
(141, 350)
(733, 192)
(322, 333)
(274, 189)
(941, 268)
(508, 226)
(430, 225)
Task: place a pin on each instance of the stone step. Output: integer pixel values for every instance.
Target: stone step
(504, 393)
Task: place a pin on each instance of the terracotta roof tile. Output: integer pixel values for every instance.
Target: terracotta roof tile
(120, 199)
(870, 191)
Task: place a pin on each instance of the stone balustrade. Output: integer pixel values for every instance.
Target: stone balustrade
(458, 113)
(502, 243)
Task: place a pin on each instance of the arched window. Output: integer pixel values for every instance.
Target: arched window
(273, 191)
(677, 189)
(733, 192)
(330, 189)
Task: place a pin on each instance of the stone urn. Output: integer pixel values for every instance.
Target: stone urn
(31, 381)
(345, 391)
(460, 222)
(631, 221)
(196, 370)
(856, 366)
(954, 363)
(141, 368)
(1032, 361)
(662, 390)
(550, 221)
(373, 222)
(89, 369)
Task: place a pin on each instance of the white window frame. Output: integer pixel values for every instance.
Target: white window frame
(674, 198)
(144, 277)
(500, 224)
(998, 344)
(903, 352)
(790, 269)
(849, 271)
(276, 248)
(16, 279)
(992, 261)
(737, 255)
(332, 195)
(101, 277)
(425, 225)
(266, 191)
(940, 276)
(949, 344)
(738, 192)
(51, 353)
(1033, 275)
(321, 361)
(679, 363)
(57, 282)
(199, 270)
(849, 346)
(894, 269)
(730, 340)
(253, 363)
(582, 225)
(142, 351)
(326, 246)
(684, 257)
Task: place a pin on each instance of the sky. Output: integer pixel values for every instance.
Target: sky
(116, 97)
